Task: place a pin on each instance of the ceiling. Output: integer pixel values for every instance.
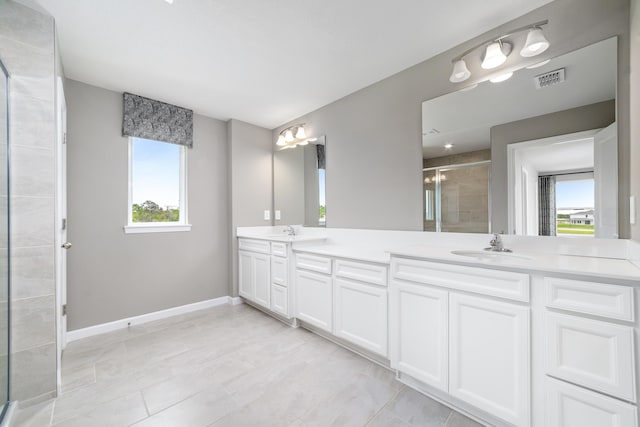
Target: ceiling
(464, 118)
(263, 62)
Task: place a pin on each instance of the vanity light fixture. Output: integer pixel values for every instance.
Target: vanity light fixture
(292, 136)
(495, 55)
(536, 43)
(497, 50)
(448, 146)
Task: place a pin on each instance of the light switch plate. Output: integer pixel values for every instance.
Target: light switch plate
(267, 215)
(277, 215)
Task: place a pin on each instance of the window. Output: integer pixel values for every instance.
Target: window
(157, 187)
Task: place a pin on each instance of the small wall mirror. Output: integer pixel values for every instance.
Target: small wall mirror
(299, 176)
(532, 155)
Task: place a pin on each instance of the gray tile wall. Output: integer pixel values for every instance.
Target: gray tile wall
(27, 50)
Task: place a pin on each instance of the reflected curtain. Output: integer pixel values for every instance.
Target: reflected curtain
(320, 154)
(547, 205)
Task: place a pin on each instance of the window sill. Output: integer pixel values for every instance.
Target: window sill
(156, 228)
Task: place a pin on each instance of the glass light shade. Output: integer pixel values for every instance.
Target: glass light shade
(288, 136)
(501, 78)
(300, 133)
(536, 43)
(493, 57)
(305, 142)
(460, 72)
(281, 141)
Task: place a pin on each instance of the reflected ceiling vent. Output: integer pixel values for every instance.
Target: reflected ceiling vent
(549, 79)
(432, 131)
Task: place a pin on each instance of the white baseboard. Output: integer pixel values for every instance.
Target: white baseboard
(235, 300)
(149, 317)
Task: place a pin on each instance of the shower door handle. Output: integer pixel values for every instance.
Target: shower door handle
(66, 245)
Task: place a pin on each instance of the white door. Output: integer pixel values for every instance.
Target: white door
(280, 300)
(605, 175)
(418, 333)
(489, 356)
(571, 406)
(314, 299)
(245, 275)
(361, 314)
(62, 245)
(262, 279)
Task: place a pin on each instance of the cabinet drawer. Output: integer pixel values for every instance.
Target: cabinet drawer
(279, 271)
(314, 263)
(599, 299)
(371, 273)
(261, 246)
(591, 353)
(503, 284)
(571, 406)
(279, 249)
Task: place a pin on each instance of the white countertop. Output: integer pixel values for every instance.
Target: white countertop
(379, 252)
(606, 268)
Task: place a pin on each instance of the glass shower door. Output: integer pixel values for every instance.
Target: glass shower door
(4, 241)
(457, 198)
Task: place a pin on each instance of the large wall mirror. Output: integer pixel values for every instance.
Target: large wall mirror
(299, 176)
(532, 155)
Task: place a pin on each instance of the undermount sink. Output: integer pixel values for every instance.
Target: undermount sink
(492, 256)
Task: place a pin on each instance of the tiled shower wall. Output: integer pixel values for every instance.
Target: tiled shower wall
(27, 50)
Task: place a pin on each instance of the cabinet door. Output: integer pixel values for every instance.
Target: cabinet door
(489, 356)
(418, 332)
(607, 365)
(279, 300)
(314, 299)
(245, 274)
(571, 406)
(262, 279)
(361, 314)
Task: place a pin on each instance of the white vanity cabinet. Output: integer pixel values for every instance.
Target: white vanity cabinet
(449, 331)
(263, 274)
(594, 387)
(360, 304)
(254, 271)
(314, 291)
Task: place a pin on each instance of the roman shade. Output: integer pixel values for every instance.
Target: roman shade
(150, 119)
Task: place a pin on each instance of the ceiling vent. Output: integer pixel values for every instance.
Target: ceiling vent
(549, 79)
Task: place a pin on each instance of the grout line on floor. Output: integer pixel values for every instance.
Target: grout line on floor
(53, 408)
(448, 418)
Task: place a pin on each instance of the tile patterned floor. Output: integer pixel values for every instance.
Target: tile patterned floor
(227, 366)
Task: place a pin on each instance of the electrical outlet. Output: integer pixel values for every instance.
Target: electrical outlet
(277, 215)
(267, 215)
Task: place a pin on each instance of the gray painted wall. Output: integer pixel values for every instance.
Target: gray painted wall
(113, 275)
(27, 48)
(374, 164)
(250, 183)
(635, 112)
(594, 116)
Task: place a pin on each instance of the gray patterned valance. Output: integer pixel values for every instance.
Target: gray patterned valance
(150, 119)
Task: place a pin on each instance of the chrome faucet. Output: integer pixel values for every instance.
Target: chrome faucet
(289, 230)
(496, 245)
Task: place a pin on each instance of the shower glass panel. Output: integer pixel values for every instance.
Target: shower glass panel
(4, 242)
(456, 198)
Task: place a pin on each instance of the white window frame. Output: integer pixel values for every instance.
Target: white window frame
(159, 227)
